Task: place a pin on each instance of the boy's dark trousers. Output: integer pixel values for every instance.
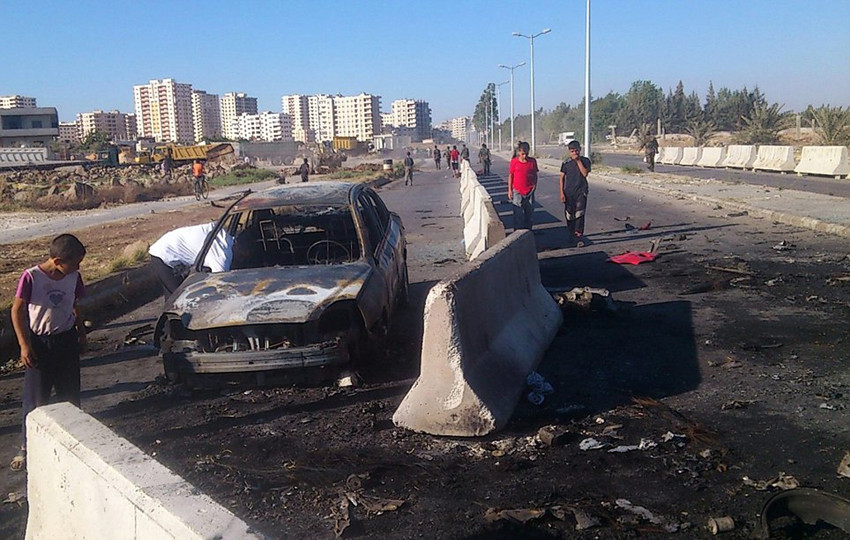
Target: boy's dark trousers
(57, 366)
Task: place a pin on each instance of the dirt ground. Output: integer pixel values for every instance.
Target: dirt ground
(721, 377)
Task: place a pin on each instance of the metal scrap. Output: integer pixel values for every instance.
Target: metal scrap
(810, 506)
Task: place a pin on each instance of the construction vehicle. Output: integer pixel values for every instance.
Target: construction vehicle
(181, 154)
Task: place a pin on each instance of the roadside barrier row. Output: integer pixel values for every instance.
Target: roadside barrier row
(482, 227)
(16, 156)
(817, 160)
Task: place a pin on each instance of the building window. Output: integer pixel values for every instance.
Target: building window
(36, 124)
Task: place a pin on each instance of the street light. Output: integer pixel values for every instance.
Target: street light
(512, 68)
(531, 40)
(499, 110)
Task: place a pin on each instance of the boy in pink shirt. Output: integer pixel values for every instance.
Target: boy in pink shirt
(49, 330)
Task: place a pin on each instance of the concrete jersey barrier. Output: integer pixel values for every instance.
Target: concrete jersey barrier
(22, 155)
(740, 156)
(690, 155)
(712, 156)
(86, 482)
(775, 158)
(825, 160)
(486, 329)
(482, 227)
(672, 155)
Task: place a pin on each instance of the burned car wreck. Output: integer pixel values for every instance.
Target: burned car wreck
(317, 271)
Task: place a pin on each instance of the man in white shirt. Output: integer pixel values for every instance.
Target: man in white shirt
(175, 252)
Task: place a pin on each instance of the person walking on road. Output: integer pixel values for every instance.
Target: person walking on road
(408, 169)
(455, 162)
(650, 148)
(574, 188)
(464, 153)
(522, 181)
(304, 170)
(50, 330)
(437, 156)
(484, 157)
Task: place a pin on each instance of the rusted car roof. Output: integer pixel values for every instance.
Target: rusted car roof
(318, 193)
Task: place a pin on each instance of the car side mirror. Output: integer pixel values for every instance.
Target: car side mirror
(206, 269)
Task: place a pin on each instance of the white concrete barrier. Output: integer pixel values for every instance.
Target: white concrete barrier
(659, 157)
(690, 155)
(740, 156)
(825, 160)
(486, 329)
(775, 158)
(86, 482)
(482, 227)
(712, 156)
(20, 156)
(672, 155)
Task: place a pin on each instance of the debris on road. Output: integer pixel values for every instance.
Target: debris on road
(739, 270)
(810, 506)
(738, 214)
(587, 298)
(15, 498)
(645, 444)
(552, 435)
(717, 525)
(844, 466)
(784, 246)
(538, 388)
(645, 514)
(736, 404)
(590, 444)
(782, 481)
(633, 257)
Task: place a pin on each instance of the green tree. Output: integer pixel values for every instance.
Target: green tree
(701, 130)
(763, 125)
(676, 116)
(94, 142)
(833, 124)
(641, 105)
(486, 105)
(710, 108)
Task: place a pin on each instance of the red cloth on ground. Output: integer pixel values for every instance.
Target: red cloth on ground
(634, 257)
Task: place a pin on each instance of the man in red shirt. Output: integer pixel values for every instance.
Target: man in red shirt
(522, 181)
(455, 160)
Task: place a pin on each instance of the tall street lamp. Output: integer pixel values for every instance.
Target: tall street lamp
(512, 68)
(499, 110)
(531, 40)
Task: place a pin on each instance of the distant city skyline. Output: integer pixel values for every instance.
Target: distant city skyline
(441, 52)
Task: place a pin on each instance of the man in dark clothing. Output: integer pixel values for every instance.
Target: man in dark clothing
(484, 157)
(304, 170)
(437, 156)
(408, 169)
(650, 148)
(574, 188)
(464, 153)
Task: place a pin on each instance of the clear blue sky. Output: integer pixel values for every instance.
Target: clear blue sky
(83, 55)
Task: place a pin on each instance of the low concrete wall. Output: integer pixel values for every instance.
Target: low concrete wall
(22, 155)
(775, 158)
(712, 156)
(486, 329)
(86, 482)
(672, 155)
(740, 156)
(482, 227)
(690, 155)
(825, 160)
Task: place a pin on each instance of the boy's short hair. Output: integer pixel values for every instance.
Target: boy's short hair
(67, 247)
(574, 145)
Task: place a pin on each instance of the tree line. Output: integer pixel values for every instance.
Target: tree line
(746, 113)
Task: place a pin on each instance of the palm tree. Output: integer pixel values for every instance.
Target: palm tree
(833, 124)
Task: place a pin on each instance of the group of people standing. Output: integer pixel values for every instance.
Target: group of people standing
(453, 157)
(572, 183)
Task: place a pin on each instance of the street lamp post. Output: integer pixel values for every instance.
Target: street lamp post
(499, 110)
(512, 68)
(531, 40)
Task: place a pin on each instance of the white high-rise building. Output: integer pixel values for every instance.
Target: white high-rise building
(206, 115)
(234, 104)
(15, 102)
(119, 126)
(461, 127)
(322, 116)
(357, 116)
(412, 114)
(267, 126)
(164, 111)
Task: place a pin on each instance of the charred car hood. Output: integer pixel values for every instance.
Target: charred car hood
(289, 294)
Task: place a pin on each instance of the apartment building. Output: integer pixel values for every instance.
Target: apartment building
(206, 115)
(460, 127)
(357, 116)
(267, 127)
(297, 108)
(164, 111)
(15, 102)
(117, 125)
(234, 104)
(321, 114)
(414, 115)
(69, 132)
(28, 127)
